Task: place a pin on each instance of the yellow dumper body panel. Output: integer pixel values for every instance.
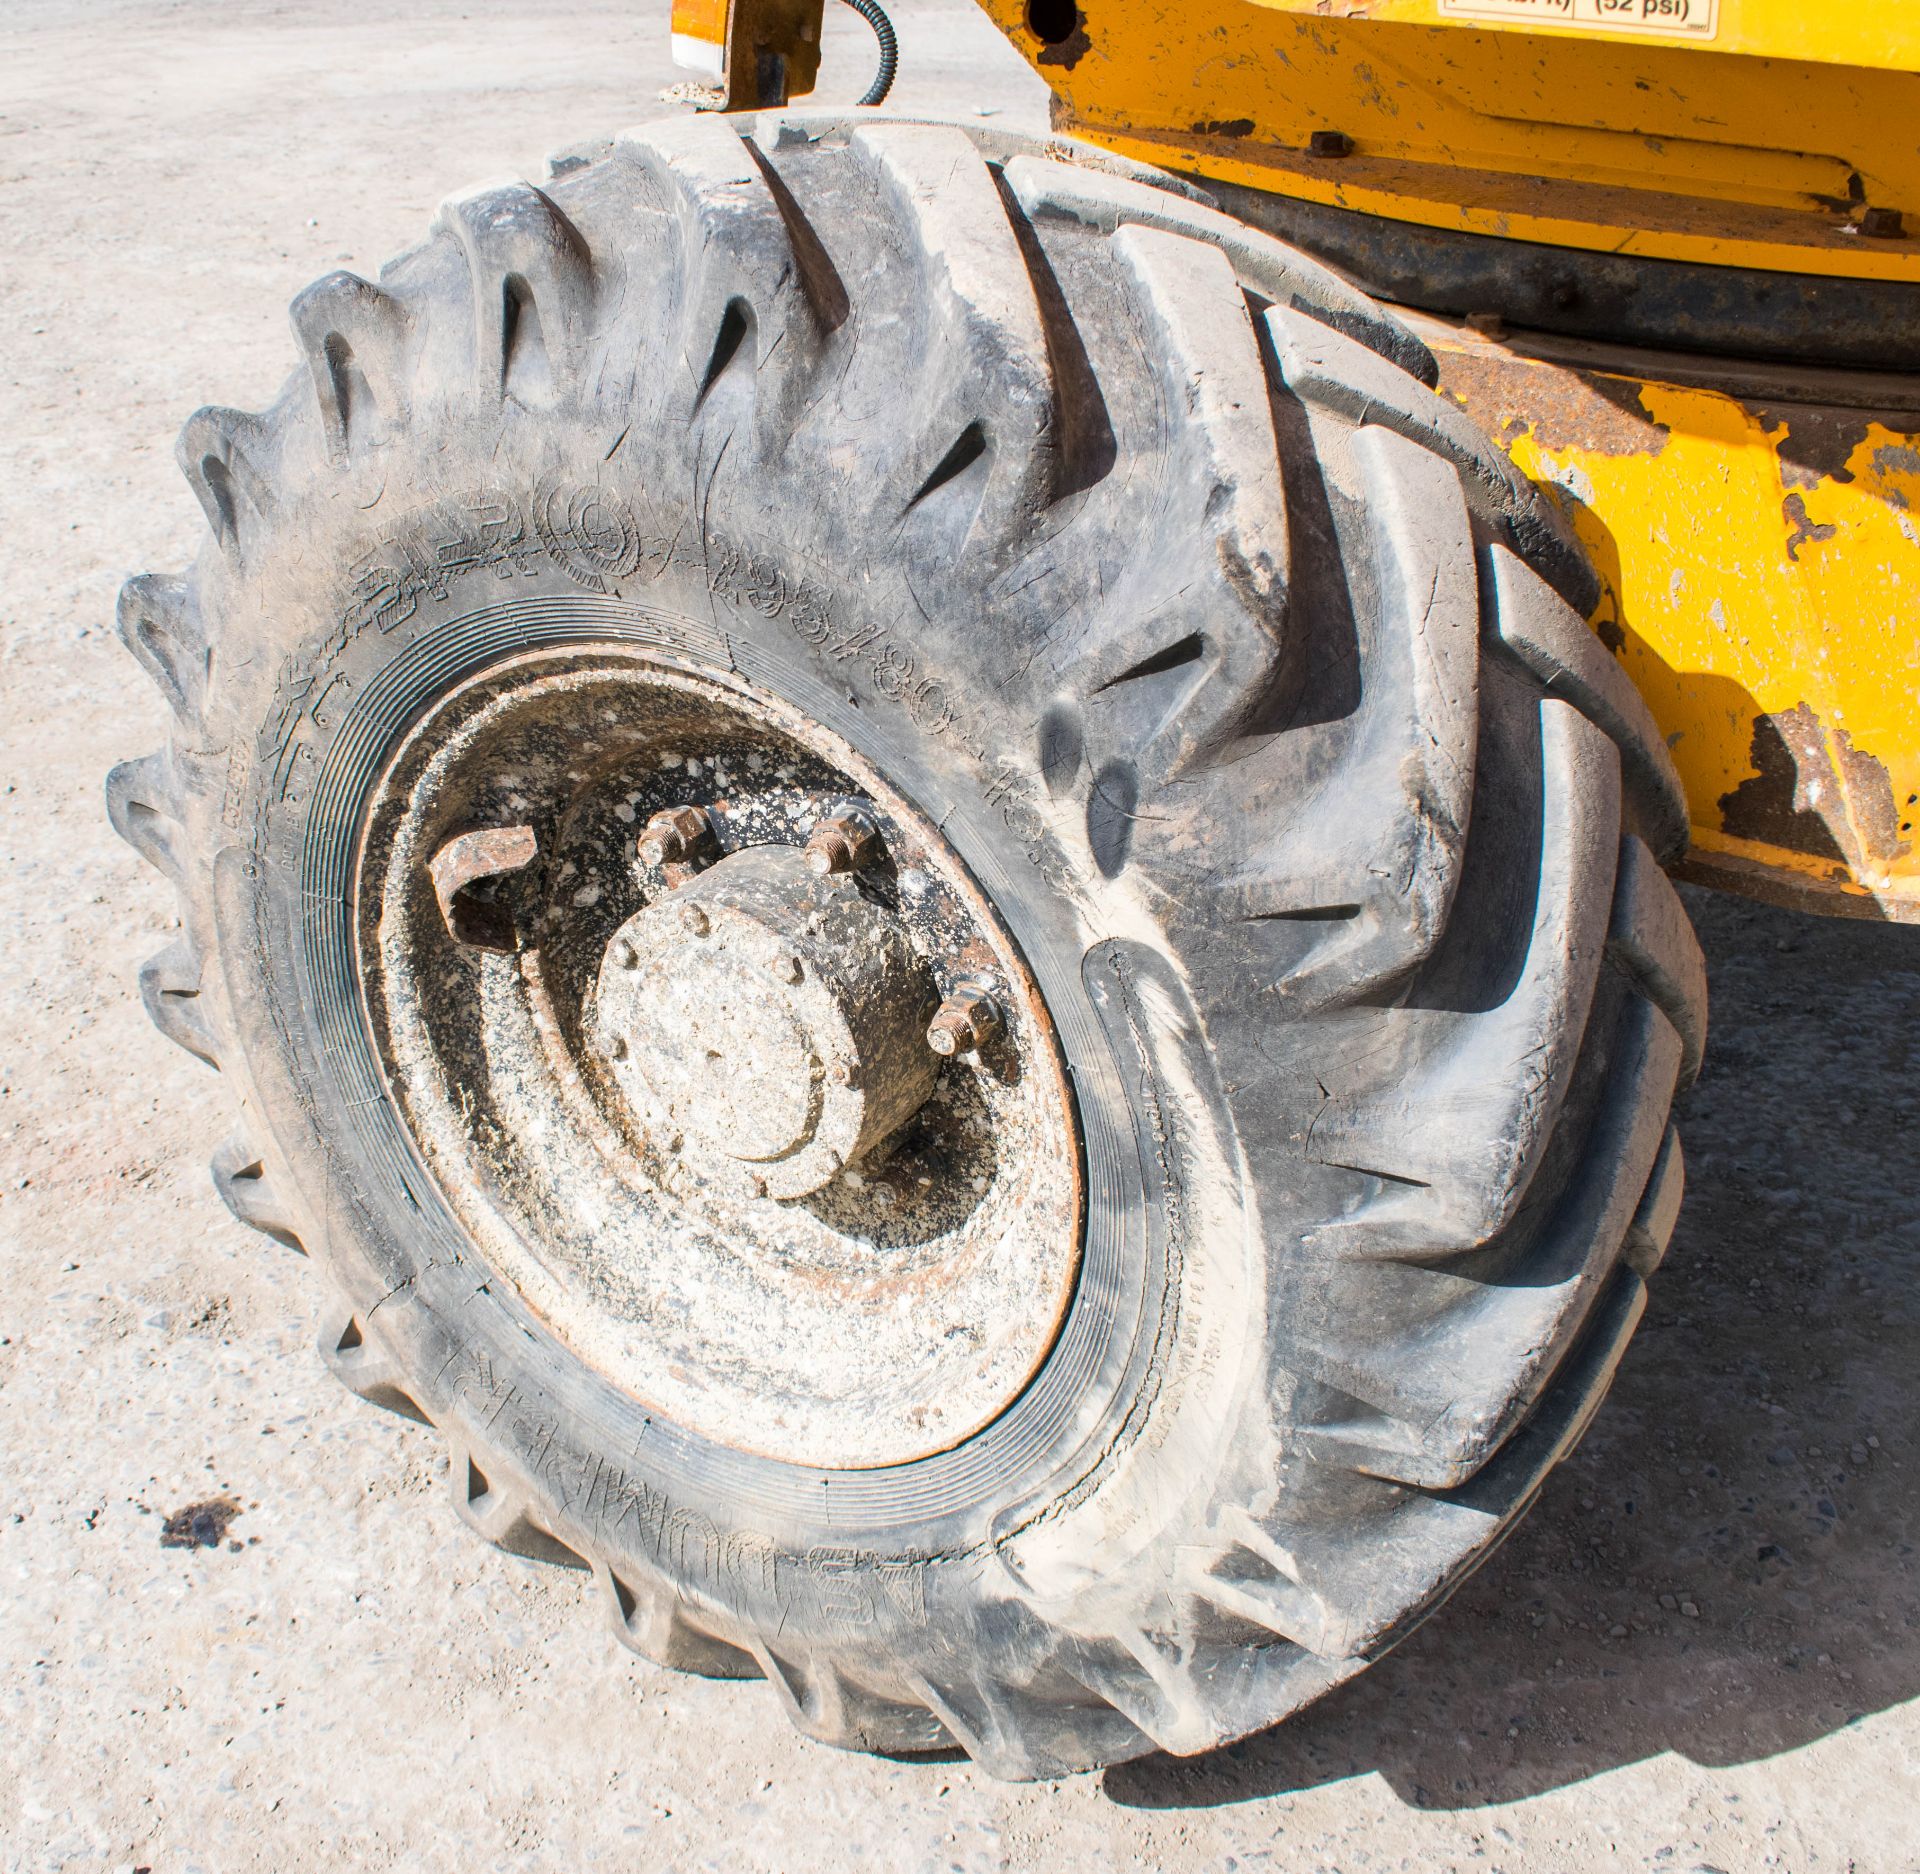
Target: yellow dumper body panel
(1751, 133)
(1760, 545)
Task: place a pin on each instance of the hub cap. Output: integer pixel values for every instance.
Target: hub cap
(770, 1021)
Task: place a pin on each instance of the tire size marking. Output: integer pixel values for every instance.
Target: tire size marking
(928, 701)
(592, 535)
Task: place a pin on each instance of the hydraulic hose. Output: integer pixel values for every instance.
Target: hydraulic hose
(875, 16)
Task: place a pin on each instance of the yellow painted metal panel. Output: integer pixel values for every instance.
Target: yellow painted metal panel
(700, 19)
(1723, 151)
(1761, 554)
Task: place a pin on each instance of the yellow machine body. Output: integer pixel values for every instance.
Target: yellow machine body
(1759, 542)
(1751, 133)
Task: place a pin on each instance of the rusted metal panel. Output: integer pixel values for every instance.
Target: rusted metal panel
(1758, 534)
(760, 52)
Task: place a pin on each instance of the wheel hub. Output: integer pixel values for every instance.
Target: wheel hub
(723, 1060)
(767, 1022)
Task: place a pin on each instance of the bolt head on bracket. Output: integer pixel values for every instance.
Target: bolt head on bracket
(674, 835)
(966, 1022)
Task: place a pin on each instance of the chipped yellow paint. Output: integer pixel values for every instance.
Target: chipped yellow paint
(1762, 565)
(1571, 135)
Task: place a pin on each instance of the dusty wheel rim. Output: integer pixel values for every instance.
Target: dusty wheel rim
(681, 1094)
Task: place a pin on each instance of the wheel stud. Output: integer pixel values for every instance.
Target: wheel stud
(672, 833)
(842, 841)
(968, 1019)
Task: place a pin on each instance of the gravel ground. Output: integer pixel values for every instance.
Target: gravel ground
(1701, 1652)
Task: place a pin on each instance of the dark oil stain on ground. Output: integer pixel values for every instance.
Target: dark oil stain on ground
(199, 1525)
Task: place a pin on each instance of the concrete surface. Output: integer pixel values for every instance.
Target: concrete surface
(1700, 1653)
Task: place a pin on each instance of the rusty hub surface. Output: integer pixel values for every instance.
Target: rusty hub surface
(721, 1057)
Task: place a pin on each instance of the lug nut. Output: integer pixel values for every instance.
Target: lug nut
(968, 1019)
(672, 833)
(842, 841)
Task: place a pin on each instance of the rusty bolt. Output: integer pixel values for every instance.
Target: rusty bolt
(1330, 143)
(1885, 224)
(968, 1019)
(842, 841)
(672, 833)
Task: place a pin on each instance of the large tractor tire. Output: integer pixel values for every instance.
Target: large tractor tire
(926, 893)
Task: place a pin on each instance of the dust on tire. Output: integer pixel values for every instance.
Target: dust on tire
(1251, 684)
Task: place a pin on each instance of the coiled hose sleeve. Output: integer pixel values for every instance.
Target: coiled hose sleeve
(875, 16)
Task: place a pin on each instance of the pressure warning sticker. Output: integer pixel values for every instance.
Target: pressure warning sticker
(1678, 19)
